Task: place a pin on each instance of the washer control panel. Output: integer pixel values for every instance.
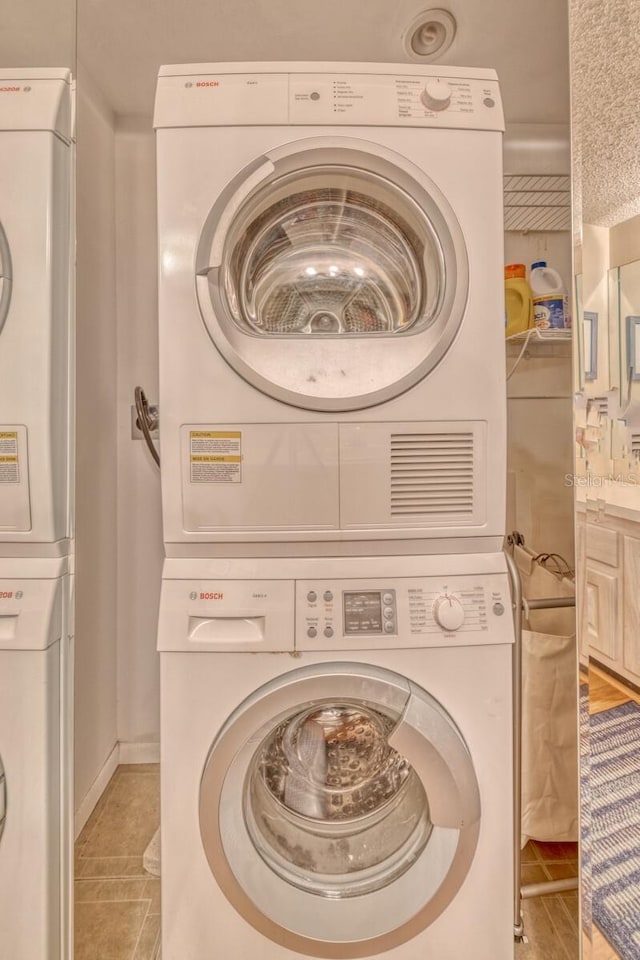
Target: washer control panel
(410, 612)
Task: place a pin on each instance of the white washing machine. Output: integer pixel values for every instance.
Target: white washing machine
(36, 163)
(34, 664)
(336, 758)
(331, 306)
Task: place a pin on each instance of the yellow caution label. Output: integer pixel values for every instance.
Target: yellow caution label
(8, 435)
(215, 456)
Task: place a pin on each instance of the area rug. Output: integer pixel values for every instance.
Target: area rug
(614, 835)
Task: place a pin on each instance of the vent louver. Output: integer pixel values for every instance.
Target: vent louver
(635, 444)
(432, 474)
(541, 202)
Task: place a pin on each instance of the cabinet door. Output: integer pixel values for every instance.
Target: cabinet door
(631, 604)
(581, 591)
(602, 614)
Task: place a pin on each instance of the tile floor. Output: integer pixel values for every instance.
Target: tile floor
(117, 904)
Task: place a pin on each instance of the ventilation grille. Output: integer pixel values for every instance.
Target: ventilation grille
(537, 203)
(635, 444)
(432, 474)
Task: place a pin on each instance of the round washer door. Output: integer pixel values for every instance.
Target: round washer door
(3, 797)
(339, 810)
(332, 274)
(5, 277)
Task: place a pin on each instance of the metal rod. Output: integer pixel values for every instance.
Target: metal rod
(550, 603)
(516, 598)
(548, 886)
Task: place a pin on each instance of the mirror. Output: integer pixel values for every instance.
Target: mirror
(606, 150)
(37, 71)
(120, 51)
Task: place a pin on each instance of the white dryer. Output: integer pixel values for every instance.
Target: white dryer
(34, 661)
(36, 161)
(336, 758)
(331, 305)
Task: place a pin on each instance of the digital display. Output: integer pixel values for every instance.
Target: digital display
(362, 612)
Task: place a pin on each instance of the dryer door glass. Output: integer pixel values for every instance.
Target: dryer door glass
(331, 807)
(5, 277)
(332, 251)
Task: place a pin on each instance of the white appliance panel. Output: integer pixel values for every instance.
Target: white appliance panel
(466, 166)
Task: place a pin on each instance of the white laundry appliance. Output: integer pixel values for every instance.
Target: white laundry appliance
(36, 165)
(331, 307)
(336, 758)
(34, 840)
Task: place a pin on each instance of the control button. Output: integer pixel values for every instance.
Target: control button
(328, 632)
(498, 609)
(312, 596)
(312, 632)
(328, 596)
(448, 612)
(315, 95)
(389, 627)
(387, 599)
(436, 95)
(388, 613)
(489, 102)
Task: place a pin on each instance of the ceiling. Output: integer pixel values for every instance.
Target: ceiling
(605, 41)
(121, 43)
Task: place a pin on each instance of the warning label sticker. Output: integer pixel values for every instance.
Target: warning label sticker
(9, 464)
(216, 456)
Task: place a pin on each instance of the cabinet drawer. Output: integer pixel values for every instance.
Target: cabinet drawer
(602, 545)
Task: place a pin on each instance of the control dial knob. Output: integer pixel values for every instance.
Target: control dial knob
(448, 612)
(436, 95)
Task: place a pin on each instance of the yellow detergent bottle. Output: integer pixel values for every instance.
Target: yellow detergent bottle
(518, 299)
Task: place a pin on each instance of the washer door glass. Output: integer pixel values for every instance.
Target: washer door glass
(332, 276)
(339, 806)
(331, 807)
(5, 277)
(3, 797)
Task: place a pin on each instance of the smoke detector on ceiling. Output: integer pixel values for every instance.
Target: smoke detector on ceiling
(429, 35)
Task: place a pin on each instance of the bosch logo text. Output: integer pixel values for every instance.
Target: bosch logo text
(9, 89)
(211, 596)
(208, 83)
(6, 595)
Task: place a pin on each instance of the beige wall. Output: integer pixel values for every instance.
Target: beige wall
(95, 645)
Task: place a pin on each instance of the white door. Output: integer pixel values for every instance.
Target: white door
(5, 277)
(339, 810)
(332, 274)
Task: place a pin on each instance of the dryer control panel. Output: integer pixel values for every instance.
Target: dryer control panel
(394, 95)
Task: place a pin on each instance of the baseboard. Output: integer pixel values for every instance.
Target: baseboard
(121, 753)
(139, 752)
(96, 790)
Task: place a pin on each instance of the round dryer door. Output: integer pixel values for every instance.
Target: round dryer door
(332, 275)
(339, 810)
(5, 277)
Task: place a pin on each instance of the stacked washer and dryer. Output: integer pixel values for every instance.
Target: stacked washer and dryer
(335, 633)
(36, 165)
